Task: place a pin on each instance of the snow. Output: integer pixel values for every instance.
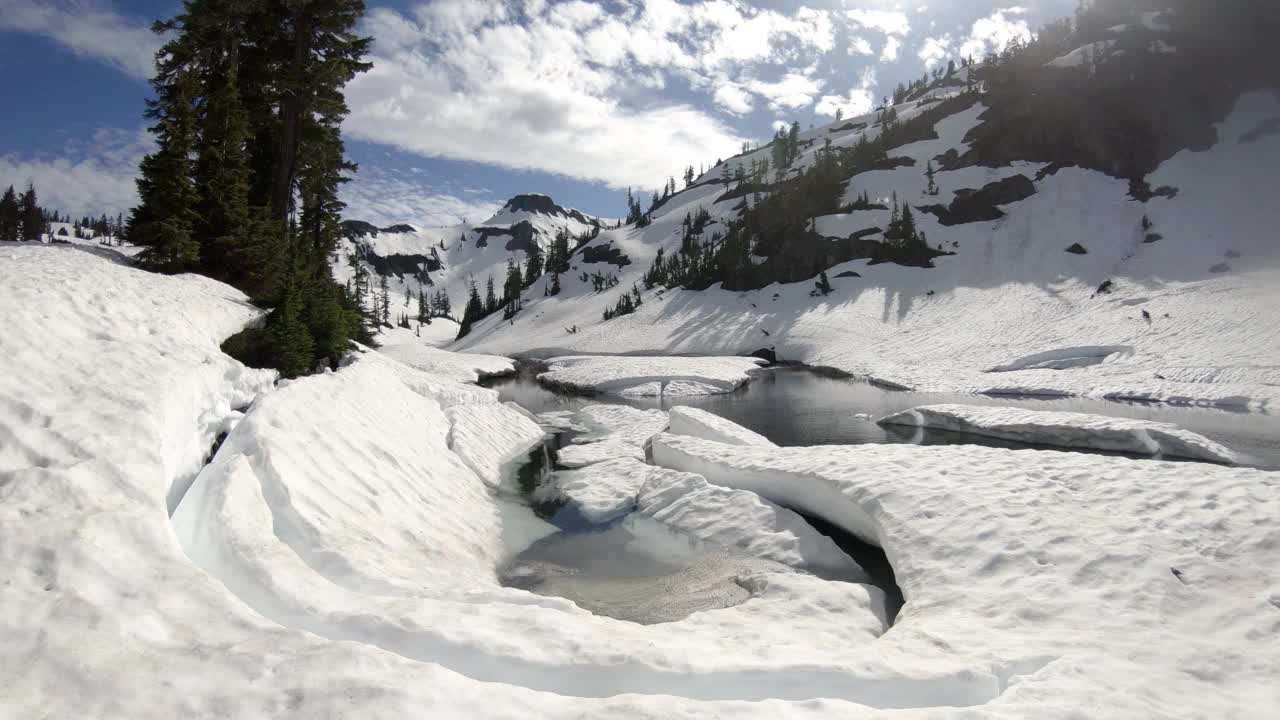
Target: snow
(416, 352)
(742, 519)
(336, 539)
(457, 248)
(1009, 292)
(608, 489)
(1066, 429)
(105, 245)
(447, 391)
(88, 340)
(619, 422)
(1083, 55)
(559, 420)
(1078, 576)
(649, 376)
(339, 555)
(607, 432)
(1064, 358)
(576, 456)
(615, 481)
(421, 241)
(693, 421)
(487, 436)
(612, 485)
(273, 460)
(438, 333)
(617, 485)
(846, 224)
